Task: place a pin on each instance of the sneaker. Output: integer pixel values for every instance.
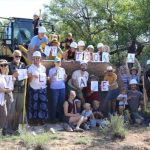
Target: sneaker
(77, 129)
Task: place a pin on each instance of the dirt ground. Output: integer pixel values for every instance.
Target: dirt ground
(136, 139)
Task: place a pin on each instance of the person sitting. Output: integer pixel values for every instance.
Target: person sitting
(81, 46)
(70, 114)
(79, 80)
(89, 95)
(90, 49)
(135, 99)
(100, 47)
(77, 103)
(37, 41)
(55, 49)
(70, 53)
(88, 115)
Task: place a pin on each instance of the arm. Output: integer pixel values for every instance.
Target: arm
(139, 67)
(3, 90)
(127, 68)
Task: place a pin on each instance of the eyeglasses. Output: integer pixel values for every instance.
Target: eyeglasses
(37, 58)
(17, 56)
(3, 65)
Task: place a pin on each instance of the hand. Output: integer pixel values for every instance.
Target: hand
(15, 74)
(8, 90)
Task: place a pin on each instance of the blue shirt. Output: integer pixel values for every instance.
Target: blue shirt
(56, 84)
(36, 42)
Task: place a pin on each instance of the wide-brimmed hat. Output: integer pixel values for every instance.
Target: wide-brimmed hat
(3, 61)
(134, 68)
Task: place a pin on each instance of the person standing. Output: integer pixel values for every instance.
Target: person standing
(18, 92)
(147, 79)
(5, 101)
(57, 78)
(37, 105)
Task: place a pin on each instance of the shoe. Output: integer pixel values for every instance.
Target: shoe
(77, 129)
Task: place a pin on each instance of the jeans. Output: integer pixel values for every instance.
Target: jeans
(56, 104)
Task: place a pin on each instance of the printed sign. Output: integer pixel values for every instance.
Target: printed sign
(105, 57)
(54, 50)
(79, 56)
(9, 81)
(131, 58)
(47, 50)
(87, 56)
(94, 86)
(60, 74)
(22, 74)
(82, 82)
(96, 57)
(42, 78)
(104, 86)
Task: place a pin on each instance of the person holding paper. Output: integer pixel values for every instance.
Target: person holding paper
(81, 46)
(91, 94)
(18, 92)
(100, 48)
(37, 105)
(5, 97)
(90, 50)
(55, 50)
(70, 53)
(113, 92)
(57, 78)
(79, 80)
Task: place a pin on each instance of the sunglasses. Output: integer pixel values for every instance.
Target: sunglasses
(17, 56)
(3, 65)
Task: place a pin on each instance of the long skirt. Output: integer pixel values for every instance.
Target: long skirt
(37, 106)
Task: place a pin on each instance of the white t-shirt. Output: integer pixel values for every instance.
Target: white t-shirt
(2, 85)
(77, 75)
(123, 99)
(40, 82)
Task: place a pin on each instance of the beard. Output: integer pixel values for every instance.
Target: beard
(83, 69)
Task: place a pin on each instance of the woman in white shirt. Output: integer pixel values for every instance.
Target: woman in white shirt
(37, 106)
(4, 109)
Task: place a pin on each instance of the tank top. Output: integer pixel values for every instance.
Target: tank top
(71, 107)
(71, 55)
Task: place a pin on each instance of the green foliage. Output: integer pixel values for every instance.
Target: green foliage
(82, 140)
(116, 129)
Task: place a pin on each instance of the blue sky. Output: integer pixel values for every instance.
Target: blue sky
(21, 8)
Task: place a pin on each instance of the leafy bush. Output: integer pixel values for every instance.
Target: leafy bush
(116, 128)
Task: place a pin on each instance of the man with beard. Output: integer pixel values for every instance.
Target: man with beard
(79, 80)
(18, 92)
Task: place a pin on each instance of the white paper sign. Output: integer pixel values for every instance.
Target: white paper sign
(22, 74)
(47, 50)
(79, 56)
(104, 86)
(42, 78)
(60, 74)
(105, 57)
(131, 58)
(82, 81)
(54, 50)
(9, 81)
(87, 56)
(96, 57)
(94, 86)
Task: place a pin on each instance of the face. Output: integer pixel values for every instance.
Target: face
(72, 95)
(73, 49)
(57, 64)
(17, 57)
(100, 49)
(96, 104)
(78, 104)
(133, 87)
(69, 37)
(90, 50)
(83, 67)
(35, 17)
(37, 60)
(123, 71)
(41, 35)
(109, 72)
(81, 48)
(88, 107)
(133, 72)
(3, 67)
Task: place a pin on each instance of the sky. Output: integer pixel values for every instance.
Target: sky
(21, 8)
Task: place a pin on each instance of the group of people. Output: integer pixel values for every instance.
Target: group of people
(71, 100)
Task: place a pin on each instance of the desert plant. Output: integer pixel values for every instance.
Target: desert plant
(116, 128)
